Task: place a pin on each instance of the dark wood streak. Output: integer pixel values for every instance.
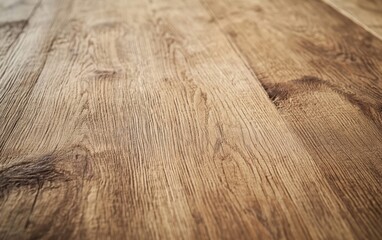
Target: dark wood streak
(281, 92)
(64, 165)
(11, 25)
(29, 174)
(59, 174)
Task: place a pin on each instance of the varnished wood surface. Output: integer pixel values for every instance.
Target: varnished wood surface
(167, 119)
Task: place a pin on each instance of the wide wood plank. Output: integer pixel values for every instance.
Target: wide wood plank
(365, 12)
(127, 124)
(323, 73)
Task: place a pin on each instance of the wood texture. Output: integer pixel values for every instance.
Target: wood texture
(323, 73)
(365, 12)
(189, 120)
(14, 16)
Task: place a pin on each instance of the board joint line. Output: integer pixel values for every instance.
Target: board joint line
(352, 18)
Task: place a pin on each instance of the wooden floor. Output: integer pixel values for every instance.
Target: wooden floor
(191, 119)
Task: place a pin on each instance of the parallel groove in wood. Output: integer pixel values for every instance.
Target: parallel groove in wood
(149, 120)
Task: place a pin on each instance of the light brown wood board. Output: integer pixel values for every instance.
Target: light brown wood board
(168, 119)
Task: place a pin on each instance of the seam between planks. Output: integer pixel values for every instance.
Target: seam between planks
(6, 137)
(239, 53)
(38, 4)
(27, 97)
(288, 125)
(351, 17)
(245, 61)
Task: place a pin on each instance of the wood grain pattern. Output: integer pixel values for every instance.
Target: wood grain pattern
(14, 16)
(175, 119)
(366, 12)
(323, 73)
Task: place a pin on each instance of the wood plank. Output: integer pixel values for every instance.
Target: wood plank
(22, 66)
(14, 16)
(323, 73)
(365, 12)
(24, 62)
(137, 127)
